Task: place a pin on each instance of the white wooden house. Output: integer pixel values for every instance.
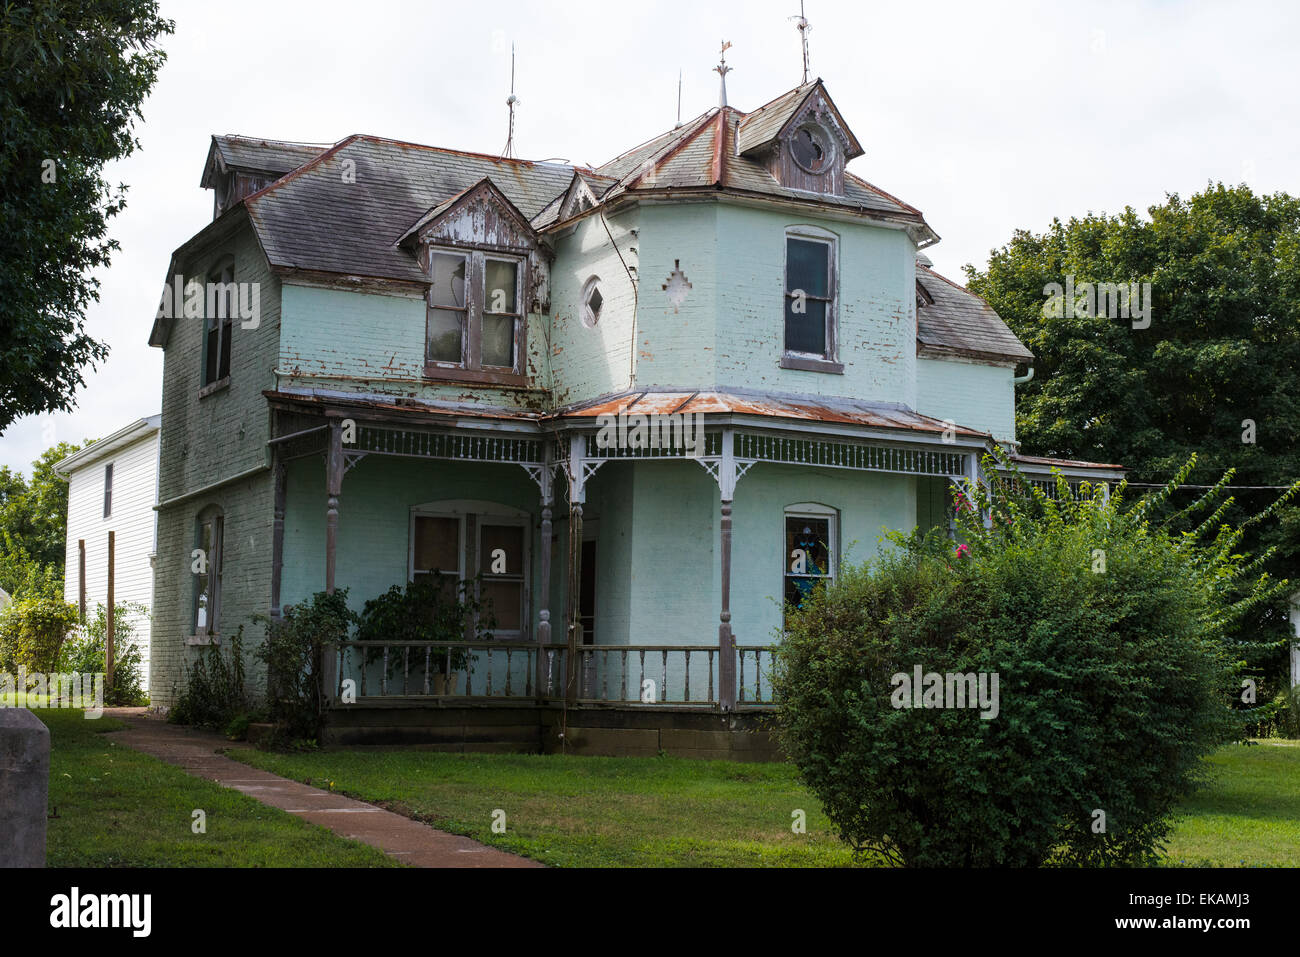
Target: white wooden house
(112, 488)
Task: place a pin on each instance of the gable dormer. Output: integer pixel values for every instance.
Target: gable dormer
(802, 140)
(486, 271)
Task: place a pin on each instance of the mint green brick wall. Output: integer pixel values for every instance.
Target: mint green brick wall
(971, 394)
(204, 442)
(588, 362)
(366, 342)
(730, 329)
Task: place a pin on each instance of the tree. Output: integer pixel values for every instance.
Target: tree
(74, 79)
(33, 524)
(1216, 372)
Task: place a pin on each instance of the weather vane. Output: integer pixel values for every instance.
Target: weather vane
(722, 70)
(509, 151)
(803, 26)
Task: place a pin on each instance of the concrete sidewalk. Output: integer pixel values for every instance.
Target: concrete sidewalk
(409, 841)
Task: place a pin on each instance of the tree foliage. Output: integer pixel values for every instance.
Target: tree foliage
(1218, 367)
(33, 523)
(74, 78)
(1107, 630)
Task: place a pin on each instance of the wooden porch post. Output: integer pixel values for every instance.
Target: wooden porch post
(544, 586)
(109, 616)
(81, 578)
(577, 472)
(333, 489)
(726, 641)
(277, 536)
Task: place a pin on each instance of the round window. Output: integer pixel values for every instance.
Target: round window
(811, 149)
(592, 301)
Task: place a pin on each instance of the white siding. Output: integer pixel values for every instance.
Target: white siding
(135, 471)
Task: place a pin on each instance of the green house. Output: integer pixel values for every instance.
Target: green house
(641, 406)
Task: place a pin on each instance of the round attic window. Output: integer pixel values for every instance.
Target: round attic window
(592, 302)
(811, 148)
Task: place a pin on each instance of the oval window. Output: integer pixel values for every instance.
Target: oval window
(811, 149)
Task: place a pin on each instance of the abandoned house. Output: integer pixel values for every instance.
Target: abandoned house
(423, 345)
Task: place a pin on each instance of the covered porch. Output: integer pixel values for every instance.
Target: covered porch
(626, 578)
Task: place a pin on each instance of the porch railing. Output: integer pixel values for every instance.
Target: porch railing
(475, 671)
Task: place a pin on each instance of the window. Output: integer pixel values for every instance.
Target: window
(108, 489)
(464, 540)
(811, 542)
(206, 566)
(811, 149)
(592, 301)
(475, 312)
(218, 324)
(810, 296)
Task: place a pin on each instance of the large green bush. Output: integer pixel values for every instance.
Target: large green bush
(33, 628)
(294, 653)
(83, 653)
(1106, 634)
(214, 693)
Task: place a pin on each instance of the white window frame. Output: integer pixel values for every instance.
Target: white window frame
(817, 511)
(816, 234)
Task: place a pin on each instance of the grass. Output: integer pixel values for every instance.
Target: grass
(1249, 816)
(589, 812)
(638, 812)
(115, 807)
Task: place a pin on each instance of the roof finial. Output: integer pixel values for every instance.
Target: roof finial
(803, 26)
(511, 100)
(722, 70)
(679, 99)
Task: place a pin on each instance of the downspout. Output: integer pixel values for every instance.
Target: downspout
(632, 359)
(1022, 379)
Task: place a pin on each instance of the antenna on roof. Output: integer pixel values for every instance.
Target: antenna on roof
(803, 26)
(509, 151)
(679, 99)
(722, 70)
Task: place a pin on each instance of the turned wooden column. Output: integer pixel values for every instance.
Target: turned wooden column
(333, 490)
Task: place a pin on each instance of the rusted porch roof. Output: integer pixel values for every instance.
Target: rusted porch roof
(797, 408)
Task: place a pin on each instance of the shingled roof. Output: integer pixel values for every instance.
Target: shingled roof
(319, 219)
(256, 155)
(953, 321)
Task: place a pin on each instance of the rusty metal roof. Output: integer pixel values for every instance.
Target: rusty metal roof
(823, 409)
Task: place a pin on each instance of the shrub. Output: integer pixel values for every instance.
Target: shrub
(294, 655)
(214, 687)
(1106, 635)
(84, 653)
(428, 609)
(33, 628)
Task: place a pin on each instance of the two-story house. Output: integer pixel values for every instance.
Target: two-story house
(441, 342)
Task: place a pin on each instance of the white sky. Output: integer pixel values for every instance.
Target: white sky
(987, 116)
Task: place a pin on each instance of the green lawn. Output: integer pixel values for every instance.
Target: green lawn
(583, 811)
(115, 807)
(631, 812)
(1250, 816)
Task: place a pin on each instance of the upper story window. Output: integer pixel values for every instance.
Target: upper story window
(108, 489)
(475, 313)
(218, 324)
(812, 149)
(592, 302)
(811, 280)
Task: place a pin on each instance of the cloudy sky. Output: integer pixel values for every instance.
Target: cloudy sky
(987, 116)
